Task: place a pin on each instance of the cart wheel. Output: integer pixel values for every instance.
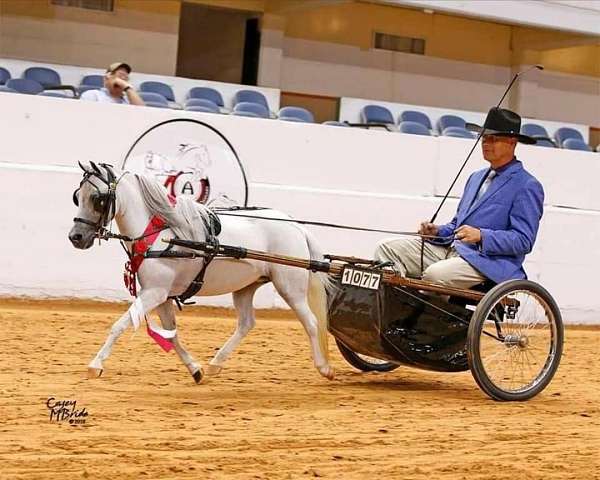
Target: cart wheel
(515, 340)
(364, 362)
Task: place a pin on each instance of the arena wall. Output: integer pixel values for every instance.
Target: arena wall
(342, 175)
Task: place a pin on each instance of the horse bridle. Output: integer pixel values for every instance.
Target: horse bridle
(103, 203)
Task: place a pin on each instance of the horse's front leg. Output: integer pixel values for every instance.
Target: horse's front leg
(242, 300)
(144, 303)
(166, 313)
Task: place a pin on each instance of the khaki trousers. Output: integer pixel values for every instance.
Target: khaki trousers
(441, 265)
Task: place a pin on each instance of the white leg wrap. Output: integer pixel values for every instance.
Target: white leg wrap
(136, 312)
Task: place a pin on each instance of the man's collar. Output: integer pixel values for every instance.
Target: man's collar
(505, 167)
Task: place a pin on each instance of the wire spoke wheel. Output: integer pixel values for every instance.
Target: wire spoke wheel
(365, 362)
(515, 340)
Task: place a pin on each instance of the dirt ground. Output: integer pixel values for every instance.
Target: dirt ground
(269, 415)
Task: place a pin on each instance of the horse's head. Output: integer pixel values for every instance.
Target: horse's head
(95, 198)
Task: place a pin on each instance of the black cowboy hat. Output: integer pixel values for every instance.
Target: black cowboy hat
(504, 123)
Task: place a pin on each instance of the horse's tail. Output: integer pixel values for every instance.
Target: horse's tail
(318, 284)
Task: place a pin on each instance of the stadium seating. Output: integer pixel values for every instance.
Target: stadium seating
(4, 88)
(249, 109)
(414, 116)
(296, 114)
(160, 88)
(53, 94)
(446, 121)
(534, 130)
(335, 123)
(456, 132)
(376, 114)
(25, 85)
(206, 93)
(414, 128)
(4, 75)
(201, 105)
(564, 133)
(250, 96)
(544, 142)
(576, 144)
(152, 99)
(93, 80)
(44, 76)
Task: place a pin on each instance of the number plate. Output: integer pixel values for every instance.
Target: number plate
(361, 278)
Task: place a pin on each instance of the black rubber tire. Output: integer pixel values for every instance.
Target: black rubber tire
(362, 364)
(474, 334)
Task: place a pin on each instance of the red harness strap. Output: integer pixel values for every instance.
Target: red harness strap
(139, 247)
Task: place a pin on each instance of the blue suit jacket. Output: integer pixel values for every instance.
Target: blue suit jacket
(508, 216)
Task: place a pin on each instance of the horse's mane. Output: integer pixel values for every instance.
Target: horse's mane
(188, 219)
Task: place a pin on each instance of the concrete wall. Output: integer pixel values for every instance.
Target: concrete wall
(348, 176)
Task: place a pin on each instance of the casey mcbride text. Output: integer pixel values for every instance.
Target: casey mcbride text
(66, 410)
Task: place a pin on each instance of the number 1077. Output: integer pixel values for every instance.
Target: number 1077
(360, 278)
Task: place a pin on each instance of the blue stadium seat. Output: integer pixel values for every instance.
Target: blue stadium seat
(446, 121)
(44, 76)
(414, 116)
(414, 128)
(296, 114)
(4, 75)
(576, 144)
(201, 105)
(160, 88)
(250, 96)
(206, 93)
(53, 94)
(249, 109)
(93, 80)
(544, 142)
(457, 132)
(534, 130)
(376, 114)
(25, 85)
(565, 133)
(335, 123)
(152, 99)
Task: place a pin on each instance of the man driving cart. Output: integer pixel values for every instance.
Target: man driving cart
(495, 225)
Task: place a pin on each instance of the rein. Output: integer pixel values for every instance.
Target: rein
(224, 211)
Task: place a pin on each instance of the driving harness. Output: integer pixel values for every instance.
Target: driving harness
(104, 203)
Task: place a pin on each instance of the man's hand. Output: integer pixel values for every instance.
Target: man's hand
(120, 83)
(468, 234)
(427, 228)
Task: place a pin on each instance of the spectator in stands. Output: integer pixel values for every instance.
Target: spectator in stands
(495, 225)
(117, 88)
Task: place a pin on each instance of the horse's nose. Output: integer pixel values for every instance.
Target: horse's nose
(75, 238)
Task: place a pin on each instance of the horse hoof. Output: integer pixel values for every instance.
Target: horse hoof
(94, 372)
(198, 376)
(328, 372)
(212, 370)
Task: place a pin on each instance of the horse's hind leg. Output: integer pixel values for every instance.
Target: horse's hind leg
(242, 300)
(292, 285)
(166, 313)
(149, 299)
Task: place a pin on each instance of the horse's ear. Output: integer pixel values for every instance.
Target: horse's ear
(82, 166)
(95, 167)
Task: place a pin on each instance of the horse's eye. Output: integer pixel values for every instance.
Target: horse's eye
(98, 202)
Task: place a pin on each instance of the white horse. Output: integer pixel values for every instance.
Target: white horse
(132, 200)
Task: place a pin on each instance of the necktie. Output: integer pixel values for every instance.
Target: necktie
(485, 185)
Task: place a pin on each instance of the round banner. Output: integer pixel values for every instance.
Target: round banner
(190, 158)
